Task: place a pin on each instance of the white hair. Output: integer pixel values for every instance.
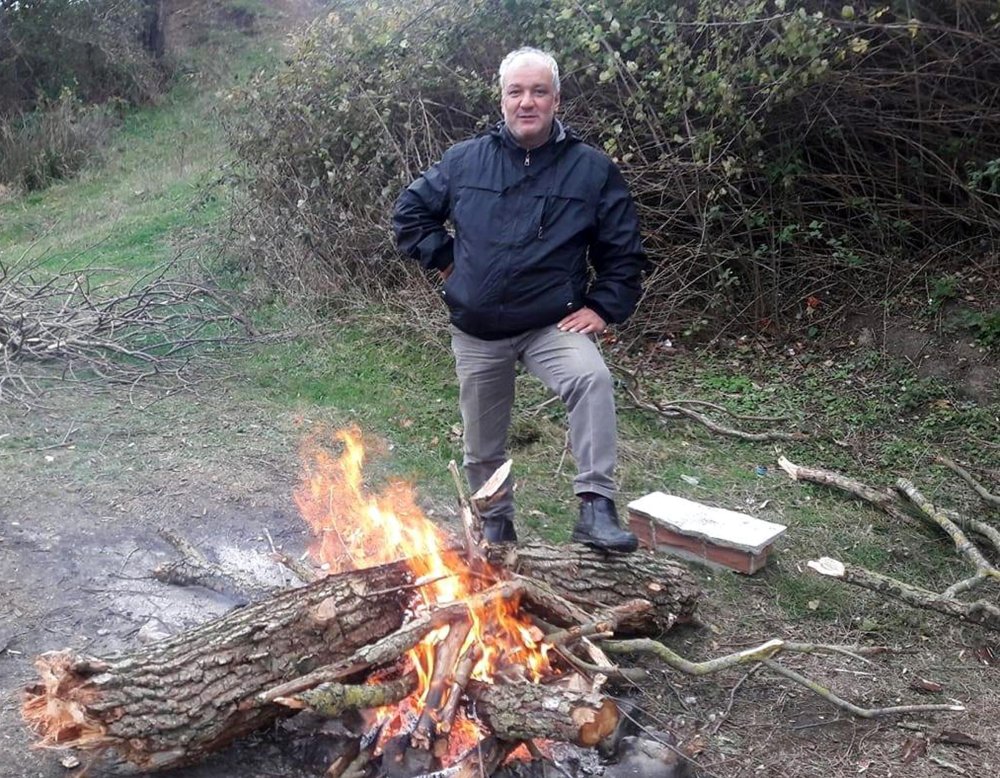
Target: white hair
(528, 52)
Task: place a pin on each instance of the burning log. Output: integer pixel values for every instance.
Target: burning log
(525, 711)
(591, 578)
(178, 700)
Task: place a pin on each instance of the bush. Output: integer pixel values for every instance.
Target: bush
(52, 142)
(100, 49)
(785, 160)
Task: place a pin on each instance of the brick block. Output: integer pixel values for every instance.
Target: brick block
(691, 530)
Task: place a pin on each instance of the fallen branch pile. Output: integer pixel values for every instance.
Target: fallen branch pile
(100, 329)
(345, 642)
(899, 502)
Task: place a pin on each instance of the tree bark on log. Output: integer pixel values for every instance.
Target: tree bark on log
(592, 579)
(525, 711)
(176, 701)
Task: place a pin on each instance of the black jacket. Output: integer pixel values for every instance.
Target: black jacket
(525, 224)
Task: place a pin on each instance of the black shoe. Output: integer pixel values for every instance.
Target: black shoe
(499, 531)
(598, 526)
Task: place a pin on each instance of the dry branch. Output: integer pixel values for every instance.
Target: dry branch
(980, 612)
(680, 409)
(93, 329)
(764, 654)
(446, 657)
(194, 569)
(965, 475)
(334, 699)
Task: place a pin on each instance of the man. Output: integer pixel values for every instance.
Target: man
(531, 206)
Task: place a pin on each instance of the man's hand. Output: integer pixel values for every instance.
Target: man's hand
(585, 321)
(446, 272)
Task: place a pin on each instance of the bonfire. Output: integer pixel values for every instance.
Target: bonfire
(459, 653)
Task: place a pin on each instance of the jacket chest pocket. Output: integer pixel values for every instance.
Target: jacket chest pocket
(510, 218)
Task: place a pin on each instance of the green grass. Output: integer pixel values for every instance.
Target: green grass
(159, 177)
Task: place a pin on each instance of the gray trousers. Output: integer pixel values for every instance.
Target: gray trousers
(570, 365)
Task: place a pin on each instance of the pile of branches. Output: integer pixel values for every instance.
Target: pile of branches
(786, 160)
(72, 326)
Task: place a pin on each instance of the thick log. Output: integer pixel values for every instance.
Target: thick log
(592, 579)
(172, 703)
(525, 711)
(176, 701)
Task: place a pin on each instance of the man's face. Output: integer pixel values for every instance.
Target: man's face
(529, 102)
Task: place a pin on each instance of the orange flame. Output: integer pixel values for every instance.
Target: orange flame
(355, 529)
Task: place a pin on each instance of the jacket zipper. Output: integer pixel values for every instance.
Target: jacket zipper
(527, 158)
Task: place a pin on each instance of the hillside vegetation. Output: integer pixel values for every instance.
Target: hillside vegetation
(788, 159)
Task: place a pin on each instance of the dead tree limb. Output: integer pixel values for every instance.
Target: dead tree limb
(885, 499)
(679, 409)
(176, 701)
(592, 579)
(962, 543)
(965, 475)
(981, 612)
(850, 707)
(193, 568)
(764, 654)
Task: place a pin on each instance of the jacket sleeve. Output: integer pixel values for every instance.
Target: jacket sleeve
(419, 216)
(616, 253)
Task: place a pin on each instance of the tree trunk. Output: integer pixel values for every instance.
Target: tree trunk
(178, 700)
(591, 578)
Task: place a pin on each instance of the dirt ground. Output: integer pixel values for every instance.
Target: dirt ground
(89, 479)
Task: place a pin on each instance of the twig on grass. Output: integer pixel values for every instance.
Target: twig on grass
(978, 488)
(764, 654)
(679, 409)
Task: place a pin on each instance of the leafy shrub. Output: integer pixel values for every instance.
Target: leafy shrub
(784, 157)
(52, 142)
(99, 49)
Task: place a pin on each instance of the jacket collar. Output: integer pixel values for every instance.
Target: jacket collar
(559, 134)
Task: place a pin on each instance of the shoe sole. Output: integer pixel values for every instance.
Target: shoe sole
(627, 548)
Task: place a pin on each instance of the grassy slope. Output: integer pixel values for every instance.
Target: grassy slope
(158, 188)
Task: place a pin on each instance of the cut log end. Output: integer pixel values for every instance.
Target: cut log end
(56, 708)
(827, 566)
(599, 724)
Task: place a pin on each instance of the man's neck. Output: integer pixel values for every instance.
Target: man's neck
(537, 142)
